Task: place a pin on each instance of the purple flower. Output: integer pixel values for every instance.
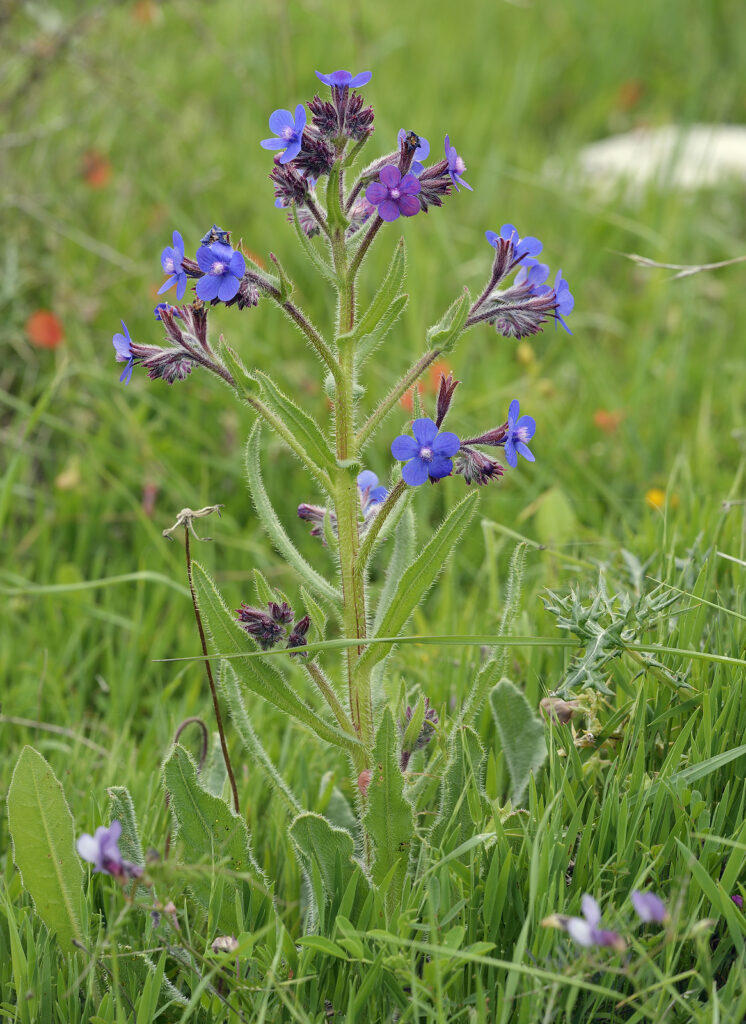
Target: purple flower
(533, 278)
(394, 195)
(261, 625)
(165, 306)
(421, 153)
(223, 268)
(523, 248)
(171, 258)
(520, 430)
(428, 454)
(456, 166)
(123, 345)
(565, 300)
(289, 132)
(344, 80)
(371, 492)
(738, 900)
(585, 931)
(102, 849)
(649, 907)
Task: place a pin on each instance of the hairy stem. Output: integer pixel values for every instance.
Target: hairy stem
(366, 547)
(359, 256)
(213, 691)
(319, 677)
(387, 404)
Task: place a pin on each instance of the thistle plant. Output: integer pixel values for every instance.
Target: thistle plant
(338, 213)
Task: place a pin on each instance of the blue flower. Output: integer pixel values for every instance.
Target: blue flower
(456, 166)
(371, 493)
(289, 131)
(421, 153)
(123, 346)
(527, 248)
(171, 258)
(344, 80)
(102, 849)
(165, 305)
(394, 195)
(649, 907)
(520, 430)
(565, 299)
(223, 268)
(533, 278)
(428, 454)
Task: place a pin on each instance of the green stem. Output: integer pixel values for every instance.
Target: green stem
(387, 404)
(366, 548)
(319, 677)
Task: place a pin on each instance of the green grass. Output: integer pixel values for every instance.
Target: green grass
(93, 472)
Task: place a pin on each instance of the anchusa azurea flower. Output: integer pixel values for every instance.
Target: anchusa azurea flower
(421, 740)
(289, 132)
(456, 166)
(271, 625)
(222, 269)
(102, 850)
(371, 494)
(586, 930)
(172, 260)
(649, 907)
(427, 455)
(394, 195)
(421, 152)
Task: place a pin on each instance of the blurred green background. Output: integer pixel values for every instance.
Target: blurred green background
(124, 121)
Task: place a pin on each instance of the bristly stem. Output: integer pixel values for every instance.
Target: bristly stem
(376, 526)
(359, 256)
(319, 677)
(387, 404)
(213, 691)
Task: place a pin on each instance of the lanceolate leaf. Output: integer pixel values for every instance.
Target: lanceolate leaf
(271, 523)
(521, 735)
(464, 769)
(311, 251)
(389, 819)
(388, 293)
(401, 555)
(305, 429)
(43, 834)
(419, 577)
(257, 674)
(122, 809)
(449, 328)
(370, 342)
(317, 840)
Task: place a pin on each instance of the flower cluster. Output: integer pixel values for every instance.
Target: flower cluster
(102, 850)
(371, 493)
(426, 733)
(269, 627)
(587, 931)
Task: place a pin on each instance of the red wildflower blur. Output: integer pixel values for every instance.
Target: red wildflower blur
(95, 169)
(44, 329)
(429, 386)
(608, 421)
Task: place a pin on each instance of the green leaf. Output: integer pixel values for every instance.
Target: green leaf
(271, 523)
(370, 342)
(122, 809)
(231, 690)
(286, 285)
(331, 849)
(43, 833)
(419, 577)
(214, 773)
(384, 310)
(311, 251)
(316, 613)
(305, 429)
(258, 674)
(521, 735)
(335, 216)
(264, 593)
(322, 945)
(246, 383)
(464, 769)
(444, 335)
(207, 826)
(401, 555)
(389, 819)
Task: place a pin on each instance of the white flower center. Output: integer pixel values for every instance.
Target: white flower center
(460, 165)
(394, 193)
(169, 265)
(217, 268)
(521, 434)
(287, 132)
(426, 454)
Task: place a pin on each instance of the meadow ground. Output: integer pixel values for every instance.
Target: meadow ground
(122, 121)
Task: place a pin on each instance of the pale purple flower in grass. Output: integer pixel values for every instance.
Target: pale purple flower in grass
(527, 248)
(371, 492)
(427, 454)
(223, 268)
(171, 258)
(585, 930)
(649, 907)
(393, 195)
(289, 132)
(345, 80)
(421, 153)
(456, 166)
(565, 299)
(520, 431)
(102, 848)
(123, 347)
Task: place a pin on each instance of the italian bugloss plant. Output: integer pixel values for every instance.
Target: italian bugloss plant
(338, 215)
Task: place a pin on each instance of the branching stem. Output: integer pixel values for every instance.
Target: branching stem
(387, 404)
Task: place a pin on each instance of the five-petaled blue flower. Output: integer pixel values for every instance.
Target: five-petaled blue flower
(565, 299)
(427, 454)
(344, 80)
(123, 346)
(102, 849)
(456, 166)
(421, 153)
(527, 248)
(394, 195)
(289, 132)
(649, 907)
(171, 258)
(371, 492)
(520, 431)
(223, 268)
(533, 278)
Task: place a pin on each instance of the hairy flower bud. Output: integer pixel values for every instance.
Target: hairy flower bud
(358, 118)
(169, 364)
(290, 186)
(195, 320)
(260, 625)
(435, 182)
(298, 636)
(475, 467)
(495, 438)
(316, 156)
(445, 395)
(323, 117)
(280, 612)
(408, 144)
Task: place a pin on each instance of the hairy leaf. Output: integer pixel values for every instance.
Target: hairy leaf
(304, 427)
(122, 809)
(330, 848)
(444, 335)
(464, 769)
(43, 833)
(521, 735)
